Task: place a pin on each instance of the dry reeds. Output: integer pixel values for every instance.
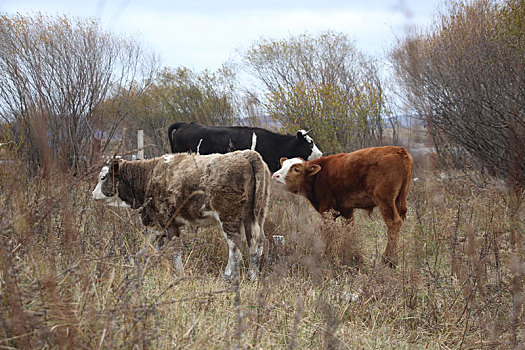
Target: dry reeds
(70, 275)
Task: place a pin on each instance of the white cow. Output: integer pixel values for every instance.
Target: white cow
(177, 189)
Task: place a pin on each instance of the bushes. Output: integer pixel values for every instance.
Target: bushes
(464, 77)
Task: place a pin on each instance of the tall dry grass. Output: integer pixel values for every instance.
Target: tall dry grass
(70, 275)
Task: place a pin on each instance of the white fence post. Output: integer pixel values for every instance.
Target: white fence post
(140, 144)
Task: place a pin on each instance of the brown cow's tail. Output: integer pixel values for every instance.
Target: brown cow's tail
(401, 200)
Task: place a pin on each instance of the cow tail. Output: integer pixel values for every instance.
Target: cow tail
(261, 196)
(261, 191)
(173, 127)
(401, 200)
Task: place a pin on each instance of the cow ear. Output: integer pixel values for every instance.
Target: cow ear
(301, 134)
(313, 169)
(283, 159)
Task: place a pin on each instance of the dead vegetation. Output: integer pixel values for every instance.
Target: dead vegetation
(70, 275)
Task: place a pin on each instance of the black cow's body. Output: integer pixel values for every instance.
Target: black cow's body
(204, 139)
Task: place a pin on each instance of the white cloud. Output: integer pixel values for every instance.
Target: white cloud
(201, 40)
(203, 34)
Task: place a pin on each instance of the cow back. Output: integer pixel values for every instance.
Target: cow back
(356, 179)
(188, 186)
(204, 139)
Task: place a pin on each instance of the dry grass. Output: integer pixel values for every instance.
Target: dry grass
(70, 276)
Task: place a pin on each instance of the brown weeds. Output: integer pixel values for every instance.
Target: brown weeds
(71, 275)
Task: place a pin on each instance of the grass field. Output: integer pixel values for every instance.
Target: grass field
(70, 276)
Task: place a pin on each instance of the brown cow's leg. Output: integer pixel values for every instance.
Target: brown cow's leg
(327, 232)
(348, 213)
(401, 205)
(393, 222)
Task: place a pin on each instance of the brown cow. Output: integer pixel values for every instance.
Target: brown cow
(364, 179)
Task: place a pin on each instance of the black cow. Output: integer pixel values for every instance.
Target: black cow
(205, 139)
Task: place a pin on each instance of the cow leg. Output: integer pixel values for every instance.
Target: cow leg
(156, 238)
(256, 240)
(263, 239)
(348, 214)
(393, 222)
(329, 216)
(232, 235)
(172, 234)
(177, 256)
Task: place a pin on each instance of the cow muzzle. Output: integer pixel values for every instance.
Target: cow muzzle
(278, 178)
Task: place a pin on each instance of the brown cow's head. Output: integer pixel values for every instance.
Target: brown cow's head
(294, 173)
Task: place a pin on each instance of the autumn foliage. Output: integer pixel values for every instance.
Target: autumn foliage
(321, 83)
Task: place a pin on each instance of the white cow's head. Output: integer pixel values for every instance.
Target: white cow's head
(311, 151)
(107, 186)
(294, 173)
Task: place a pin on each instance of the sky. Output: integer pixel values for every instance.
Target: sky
(204, 34)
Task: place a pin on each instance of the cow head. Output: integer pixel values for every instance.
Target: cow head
(310, 149)
(294, 173)
(108, 180)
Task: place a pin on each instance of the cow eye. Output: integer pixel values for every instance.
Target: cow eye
(296, 170)
(103, 177)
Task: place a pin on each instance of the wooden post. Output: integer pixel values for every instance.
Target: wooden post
(140, 144)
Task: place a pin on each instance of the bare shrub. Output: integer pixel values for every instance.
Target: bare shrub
(57, 77)
(464, 77)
